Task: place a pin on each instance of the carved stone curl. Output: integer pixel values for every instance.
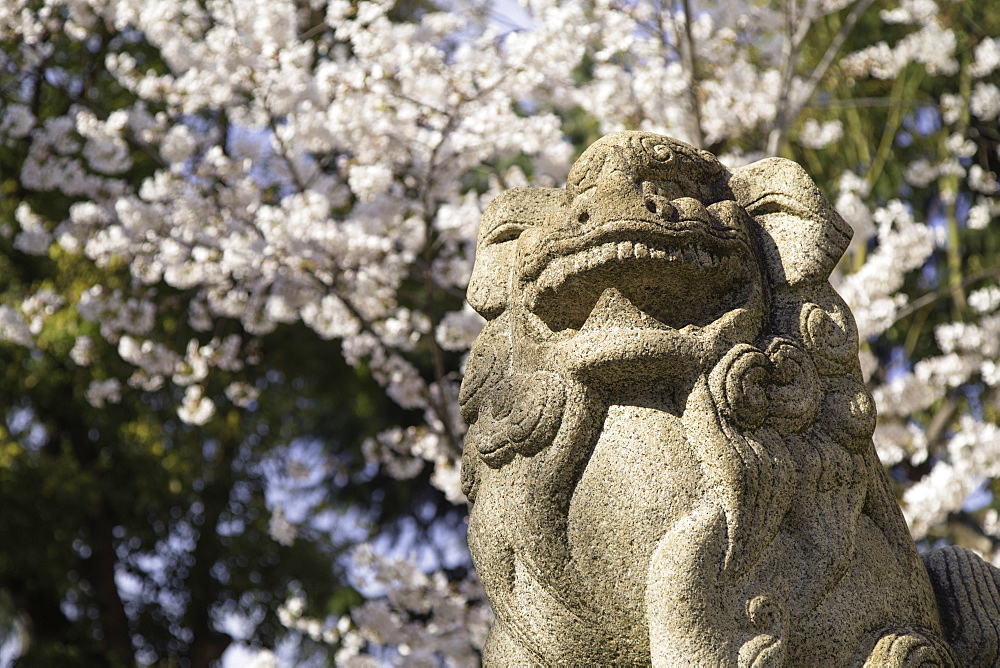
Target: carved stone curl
(669, 459)
(525, 411)
(778, 387)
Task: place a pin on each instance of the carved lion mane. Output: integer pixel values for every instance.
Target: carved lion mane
(670, 457)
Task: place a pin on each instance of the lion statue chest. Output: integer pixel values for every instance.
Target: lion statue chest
(633, 489)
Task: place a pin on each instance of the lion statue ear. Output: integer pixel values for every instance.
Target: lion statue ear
(511, 213)
(802, 237)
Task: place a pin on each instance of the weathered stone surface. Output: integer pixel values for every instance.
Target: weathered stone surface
(670, 460)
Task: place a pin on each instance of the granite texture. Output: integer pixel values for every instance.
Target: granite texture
(669, 461)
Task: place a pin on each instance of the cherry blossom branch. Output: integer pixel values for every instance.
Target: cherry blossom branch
(686, 42)
(796, 28)
(929, 298)
(792, 107)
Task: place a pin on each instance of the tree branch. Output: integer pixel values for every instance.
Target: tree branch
(686, 42)
(930, 297)
(790, 112)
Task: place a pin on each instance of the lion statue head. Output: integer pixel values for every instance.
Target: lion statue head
(669, 456)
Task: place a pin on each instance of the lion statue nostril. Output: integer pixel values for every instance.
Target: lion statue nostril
(662, 207)
(583, 217)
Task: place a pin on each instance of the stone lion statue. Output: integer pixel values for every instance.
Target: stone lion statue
(669, 461)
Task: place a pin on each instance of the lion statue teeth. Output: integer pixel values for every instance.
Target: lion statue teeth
(669, 458)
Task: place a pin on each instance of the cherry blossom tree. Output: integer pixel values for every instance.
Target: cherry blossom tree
(235, 240)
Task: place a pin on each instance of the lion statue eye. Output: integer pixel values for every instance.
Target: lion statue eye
(587, 181)
(505, 232)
